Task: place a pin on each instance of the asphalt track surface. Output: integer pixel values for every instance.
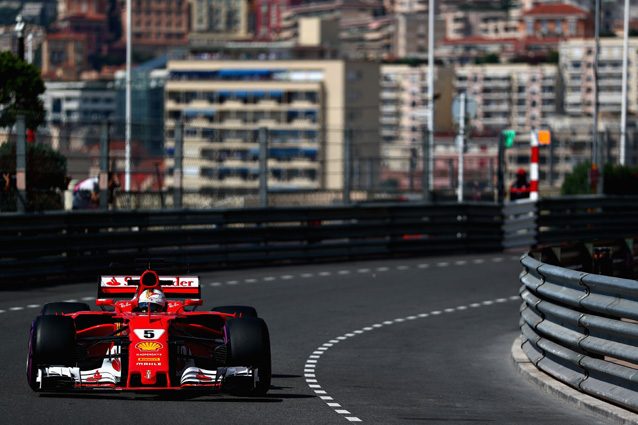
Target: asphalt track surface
(405, 341)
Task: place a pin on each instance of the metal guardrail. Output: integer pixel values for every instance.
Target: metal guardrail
(80, 245)
(586, 218)
(582, 329)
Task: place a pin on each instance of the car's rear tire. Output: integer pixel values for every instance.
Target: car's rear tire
(51, 342)
(248, 343)
(64, 308)
(239, 310)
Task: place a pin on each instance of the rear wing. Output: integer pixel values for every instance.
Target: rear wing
(123, 287)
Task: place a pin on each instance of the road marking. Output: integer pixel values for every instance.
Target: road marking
(478, 261)
(383, 269)
(250, 280)
(16, 308)
(325, 273)
(403, 268)
(460, 262)
(311, 362)
(307, 275)
(363, 271)
(72, 300)
(287, 277)
(443, 264)
(88, 298)
(269, 278)
(232, 282)
(344, 272)
(216, 284)
(33, 306)
(2, 311)
(497, 259)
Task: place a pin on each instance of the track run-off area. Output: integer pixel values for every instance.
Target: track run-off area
(397, 341)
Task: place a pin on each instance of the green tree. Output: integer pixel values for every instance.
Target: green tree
(577, 183)
(46, 176)
(20, 91)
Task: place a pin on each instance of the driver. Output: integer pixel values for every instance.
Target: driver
(152, 300)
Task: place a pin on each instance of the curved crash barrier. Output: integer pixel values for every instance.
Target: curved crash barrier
(582, 329)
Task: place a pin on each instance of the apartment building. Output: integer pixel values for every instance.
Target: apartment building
(147, 96)
(518, 96)
(490, 24)
(307, 106)
(157, 24)
(405, 110)
(79, 101)
(342, 10)
(406, 6)
(557, 21)
(65, 56)
(576, 67)
(268, 17)
(215, 20)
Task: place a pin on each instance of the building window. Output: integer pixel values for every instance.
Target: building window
(544, 27)
(530, 26)
(558, 27)
(572, 27)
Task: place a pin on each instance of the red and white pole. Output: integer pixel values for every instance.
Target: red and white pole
(533, 167)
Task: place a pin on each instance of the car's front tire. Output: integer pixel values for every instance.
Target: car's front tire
(248, 343)
(51, 342)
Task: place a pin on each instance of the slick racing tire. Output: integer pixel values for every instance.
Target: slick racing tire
(249, 345)
(64, 308)
(239, 310)
(51, 342)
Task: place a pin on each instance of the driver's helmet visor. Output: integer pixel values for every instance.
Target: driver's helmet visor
(146, 306)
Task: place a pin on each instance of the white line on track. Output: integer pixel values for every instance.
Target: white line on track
(311, 362)
(323, 274)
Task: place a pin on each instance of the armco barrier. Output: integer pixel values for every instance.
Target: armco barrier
(582, 329)
(80, 245)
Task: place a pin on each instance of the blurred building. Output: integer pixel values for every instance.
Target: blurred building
(269, 17)
(405, 111)
(516, 96)
(147, 96)
(307, 106)
(158, 24)
(215, 20)
(576, 65)
(406, 6)
(65, 56)
(490, 24)
(557, 21)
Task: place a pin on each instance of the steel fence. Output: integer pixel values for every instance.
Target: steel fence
(80, 245)
(582, 329)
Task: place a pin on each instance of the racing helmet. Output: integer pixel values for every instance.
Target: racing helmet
(152, 300)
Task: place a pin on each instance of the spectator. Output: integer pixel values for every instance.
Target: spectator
(86, 193)
(520, 188)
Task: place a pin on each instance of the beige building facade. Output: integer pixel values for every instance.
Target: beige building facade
(214, 20)
(517, 96)
(307, 107)
(576, 66)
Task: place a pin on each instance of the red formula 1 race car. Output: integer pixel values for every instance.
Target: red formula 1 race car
(144, 341)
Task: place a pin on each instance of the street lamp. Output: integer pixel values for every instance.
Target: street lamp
(127, 137)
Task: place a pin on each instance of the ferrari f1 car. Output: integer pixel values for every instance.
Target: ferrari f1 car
(127, 346)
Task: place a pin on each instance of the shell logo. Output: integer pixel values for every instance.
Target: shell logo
(149, 346)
